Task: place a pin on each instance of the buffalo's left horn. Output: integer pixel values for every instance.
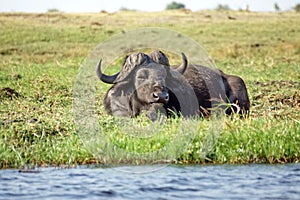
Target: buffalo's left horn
(103, 77)
(181, 69)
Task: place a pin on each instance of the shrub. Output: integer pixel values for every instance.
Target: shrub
(175, 5)
(223, 7)
(276, 7)
(52, 10)
(297, 7)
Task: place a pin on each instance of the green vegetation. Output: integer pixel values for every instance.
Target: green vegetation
(297, 7)
(41, 54)
(175, 5)
(51, 10)
(223, 7)
(276, 7)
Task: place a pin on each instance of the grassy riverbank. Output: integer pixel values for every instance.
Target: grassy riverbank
(41, 54)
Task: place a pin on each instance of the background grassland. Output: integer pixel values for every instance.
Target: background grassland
(41, 54)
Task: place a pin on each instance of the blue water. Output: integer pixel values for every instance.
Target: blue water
(154, 182)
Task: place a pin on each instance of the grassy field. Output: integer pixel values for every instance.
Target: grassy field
(42, 53)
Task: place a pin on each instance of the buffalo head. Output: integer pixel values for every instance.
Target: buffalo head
(140, 85)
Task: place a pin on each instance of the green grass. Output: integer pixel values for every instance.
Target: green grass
(42, 53)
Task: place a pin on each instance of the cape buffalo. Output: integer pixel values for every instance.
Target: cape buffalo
(237, 94)
(147, 85)
(214, 86)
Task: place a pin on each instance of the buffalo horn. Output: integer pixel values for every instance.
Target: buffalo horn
(103, 77)
(181, 69)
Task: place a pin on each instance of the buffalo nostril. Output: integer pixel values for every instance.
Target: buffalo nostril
(167, 97)
(156, 97)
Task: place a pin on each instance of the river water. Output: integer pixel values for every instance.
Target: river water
(154, 182)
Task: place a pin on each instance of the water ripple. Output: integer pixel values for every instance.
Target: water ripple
(172, 182)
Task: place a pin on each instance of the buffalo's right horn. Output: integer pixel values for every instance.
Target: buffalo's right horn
(103, 77)
(181, 69)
